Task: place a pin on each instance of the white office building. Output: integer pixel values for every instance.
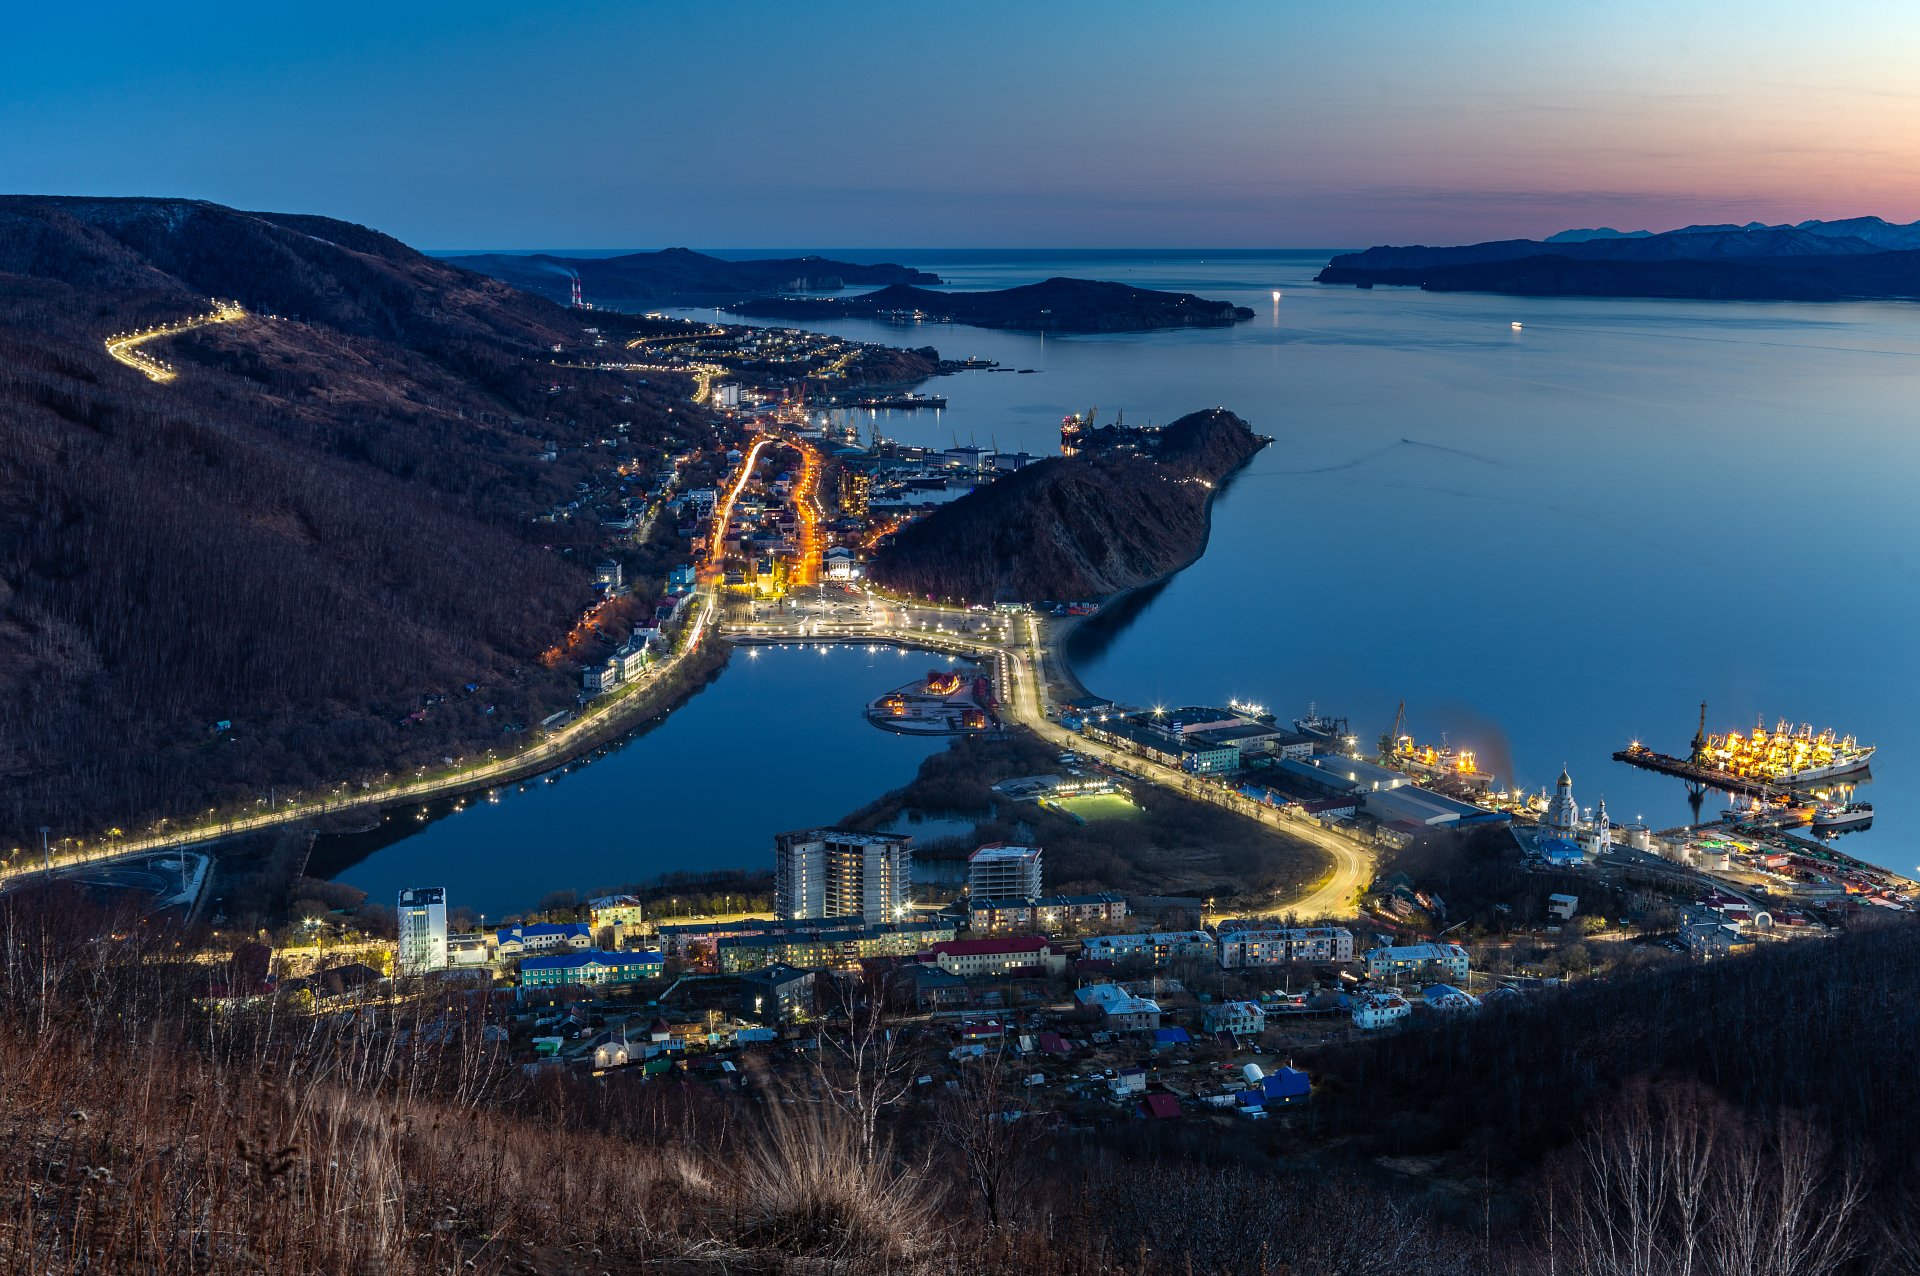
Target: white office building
(1001, 871)
(423, 930)
(840, 873)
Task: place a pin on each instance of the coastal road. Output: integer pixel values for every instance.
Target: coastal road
(1021, 660)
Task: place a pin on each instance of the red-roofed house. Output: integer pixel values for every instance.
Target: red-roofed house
(1001, 955)
(1159, 1106)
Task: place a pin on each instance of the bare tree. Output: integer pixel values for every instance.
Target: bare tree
(993, 1140)
(865, 1062)
(1673, 1182)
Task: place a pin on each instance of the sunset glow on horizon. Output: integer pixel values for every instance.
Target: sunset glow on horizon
(489, 124)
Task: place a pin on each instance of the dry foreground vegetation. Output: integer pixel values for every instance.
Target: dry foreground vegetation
(1695, 1126)
(329, 513)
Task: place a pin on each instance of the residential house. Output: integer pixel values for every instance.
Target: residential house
(542, 937)
(777, 994)
(615, 910)
(1124, 1011)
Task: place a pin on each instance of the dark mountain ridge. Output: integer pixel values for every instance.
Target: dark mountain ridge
(1133, 509)
(1863, 257)
(328, 513)
(1052, 305)
(682, 275)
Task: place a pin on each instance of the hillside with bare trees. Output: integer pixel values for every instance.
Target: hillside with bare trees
(326, 518)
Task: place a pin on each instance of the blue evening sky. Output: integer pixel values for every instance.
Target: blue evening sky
(984, 124)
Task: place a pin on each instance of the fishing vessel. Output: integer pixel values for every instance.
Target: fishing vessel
(1315, 725)
(1443, 763)
(1834, 819)
(1787, 756)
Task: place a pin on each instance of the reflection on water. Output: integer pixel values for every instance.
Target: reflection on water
(777, 742)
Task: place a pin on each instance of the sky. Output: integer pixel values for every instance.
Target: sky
(1271, 123)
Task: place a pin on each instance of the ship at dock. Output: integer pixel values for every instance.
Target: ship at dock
(908, 402)
(1759, 762)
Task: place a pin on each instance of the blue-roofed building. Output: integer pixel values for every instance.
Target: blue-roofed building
(1171, 1037)
(543, 937)
(592, 967)
(1286, 1085)
(1560, 853)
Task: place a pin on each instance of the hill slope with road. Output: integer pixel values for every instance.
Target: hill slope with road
(320, 518)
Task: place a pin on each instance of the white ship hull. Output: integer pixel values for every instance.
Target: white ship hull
(1832, 821)
(1845, 766)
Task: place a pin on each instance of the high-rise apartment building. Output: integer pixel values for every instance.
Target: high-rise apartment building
(840, 873)
(423, 930)
(1001, 871)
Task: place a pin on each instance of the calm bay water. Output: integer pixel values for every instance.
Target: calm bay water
(1547, 542)
(777, 742)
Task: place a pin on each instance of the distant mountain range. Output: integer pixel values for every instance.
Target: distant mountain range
(681, 275)
(1052, 305)
(1858, 257)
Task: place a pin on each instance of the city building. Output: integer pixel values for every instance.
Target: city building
(1379, 1009)
(1244, 945)
(1241, 1018)
(841, 873)
(615, 910)
(1048, 912)
(423, 930)
(542, 937)
(591, 967)
(1420, 962)
(836, 948)
(1160, 946)
(468, 950)
(1011, 954)
(777, 994)
(1562, 907)
(999, 870)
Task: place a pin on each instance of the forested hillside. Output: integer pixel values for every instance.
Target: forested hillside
(325, 516)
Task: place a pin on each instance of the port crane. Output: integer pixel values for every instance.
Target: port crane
(1390, 742)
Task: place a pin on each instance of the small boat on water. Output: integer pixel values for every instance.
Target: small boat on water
(1833, 819)
(1517, 325)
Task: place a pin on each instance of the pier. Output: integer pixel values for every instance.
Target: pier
(1697, 777)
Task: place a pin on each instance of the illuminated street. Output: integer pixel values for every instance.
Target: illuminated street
(126, 348)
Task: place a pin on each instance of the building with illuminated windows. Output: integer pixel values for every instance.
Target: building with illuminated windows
(423, 930)
(841, 873)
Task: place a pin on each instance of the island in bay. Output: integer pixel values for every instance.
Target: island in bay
(1052, 305)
